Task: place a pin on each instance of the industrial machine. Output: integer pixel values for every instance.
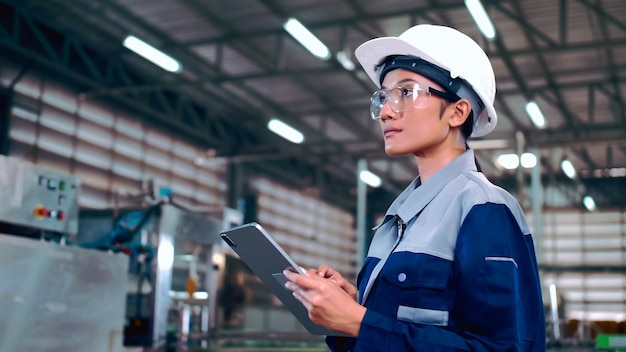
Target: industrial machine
(53, 296)
(154, 277)
(174, 269)
(34, 199)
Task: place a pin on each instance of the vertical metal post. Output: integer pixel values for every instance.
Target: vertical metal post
(5, 120)
(519, 136)
(554, 310)
(162, 287)
(360, 213)
(235, 184)
(536, 201)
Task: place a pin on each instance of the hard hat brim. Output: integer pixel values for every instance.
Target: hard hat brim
(371, 53)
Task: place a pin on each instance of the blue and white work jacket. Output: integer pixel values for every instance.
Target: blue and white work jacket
(451, 267)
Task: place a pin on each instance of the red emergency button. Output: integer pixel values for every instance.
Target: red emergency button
(60, 215)
(41, 212)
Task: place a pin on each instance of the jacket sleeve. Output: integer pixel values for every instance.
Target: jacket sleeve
(340, 343)
(498, 305)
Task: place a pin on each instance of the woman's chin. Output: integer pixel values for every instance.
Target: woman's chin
(390, 151)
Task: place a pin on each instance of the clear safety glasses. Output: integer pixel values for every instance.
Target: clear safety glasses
(404, 98)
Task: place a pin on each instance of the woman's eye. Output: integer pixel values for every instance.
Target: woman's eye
(406, 92)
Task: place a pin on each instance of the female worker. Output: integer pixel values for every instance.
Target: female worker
(452, 265)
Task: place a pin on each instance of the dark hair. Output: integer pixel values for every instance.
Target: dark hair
(468, 126)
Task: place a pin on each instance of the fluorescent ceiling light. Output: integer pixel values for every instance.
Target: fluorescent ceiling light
(284, 130)
(536, 116)
(508, 161)
(568, 168)
(512, 161)
(589, 203)
(476, 9)
(370, 178)
(307, 39)
(152, 54)
(528, 160)
(617, 172)
(344, 59)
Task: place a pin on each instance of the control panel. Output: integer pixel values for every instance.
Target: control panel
(37, 197)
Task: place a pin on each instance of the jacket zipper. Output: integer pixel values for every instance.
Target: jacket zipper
(401, 228)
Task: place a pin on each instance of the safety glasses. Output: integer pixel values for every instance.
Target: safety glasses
(405, 97)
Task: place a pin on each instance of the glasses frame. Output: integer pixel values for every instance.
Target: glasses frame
(451, 97)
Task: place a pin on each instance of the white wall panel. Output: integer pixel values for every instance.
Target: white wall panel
(23, 131)
(61, 99)
(184, 168)
(93, 177)
(157, 158)
(96, 113)
(129, 127)
(54, 161)
(58, 120)
(23, 114)
(183, 151)
(29, 86)
(128, 148)
(55, 142)
(95, 134)
(159, 140)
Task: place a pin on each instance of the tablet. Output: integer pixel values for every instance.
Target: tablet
(268, 260)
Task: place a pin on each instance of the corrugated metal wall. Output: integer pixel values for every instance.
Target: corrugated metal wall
(594, 243)
(109, 149)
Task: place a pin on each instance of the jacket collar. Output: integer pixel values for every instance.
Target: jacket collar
(416, 196)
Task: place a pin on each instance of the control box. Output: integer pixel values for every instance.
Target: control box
(37, 197)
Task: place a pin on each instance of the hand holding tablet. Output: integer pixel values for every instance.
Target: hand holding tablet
(268, 260)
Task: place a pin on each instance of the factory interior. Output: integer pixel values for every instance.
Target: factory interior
(119, 168)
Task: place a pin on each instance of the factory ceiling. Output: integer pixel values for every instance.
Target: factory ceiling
(241, 68)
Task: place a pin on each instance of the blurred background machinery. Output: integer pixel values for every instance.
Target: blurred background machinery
(50, 289)
(172, 289)
(150, 277)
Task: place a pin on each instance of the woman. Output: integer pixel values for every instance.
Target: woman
(452, 265)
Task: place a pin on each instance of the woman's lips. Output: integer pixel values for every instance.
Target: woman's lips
(389, 132)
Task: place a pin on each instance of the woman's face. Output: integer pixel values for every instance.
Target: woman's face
(418, 129)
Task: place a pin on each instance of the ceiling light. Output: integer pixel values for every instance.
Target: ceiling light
(284, 130)
(476, 9)
(370, 178)
(568, 168)
(536, 116)
(152, 54)
(589, 203)
(617, 172)
(344, 59)
(528, 160)
(508, 161)
(307, 39)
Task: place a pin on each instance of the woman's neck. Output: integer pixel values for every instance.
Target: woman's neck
(429, 164)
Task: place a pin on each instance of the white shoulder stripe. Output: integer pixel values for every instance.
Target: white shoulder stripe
(502, 259)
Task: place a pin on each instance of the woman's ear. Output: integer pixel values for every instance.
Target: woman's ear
(462, 109)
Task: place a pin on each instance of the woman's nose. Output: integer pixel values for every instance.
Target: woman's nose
(386, 112)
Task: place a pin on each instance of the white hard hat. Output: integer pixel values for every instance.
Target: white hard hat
(448, 49)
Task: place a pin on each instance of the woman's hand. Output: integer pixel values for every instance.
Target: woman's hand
(332, 274)
(328, 303)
